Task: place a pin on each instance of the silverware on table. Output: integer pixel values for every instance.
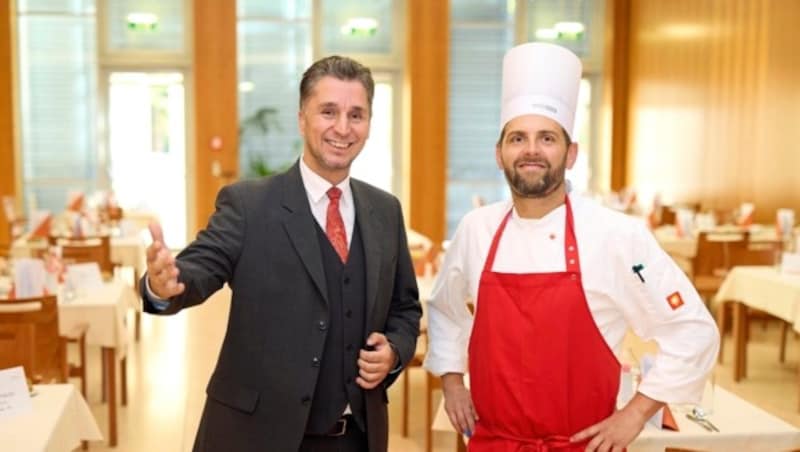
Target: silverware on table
(698, 416)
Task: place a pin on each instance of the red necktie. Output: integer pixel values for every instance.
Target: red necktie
(334, 226)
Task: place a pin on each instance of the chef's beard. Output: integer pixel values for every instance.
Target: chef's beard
(535, 186)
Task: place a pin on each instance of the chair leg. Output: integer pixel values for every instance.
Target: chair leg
(406, 383)
(104, 385)
(123, 367)
(784, 334)
(82, 345)
(722, 324)
(137, 325)
(428, 416)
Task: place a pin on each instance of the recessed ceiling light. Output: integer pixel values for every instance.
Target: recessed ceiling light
(360, 26)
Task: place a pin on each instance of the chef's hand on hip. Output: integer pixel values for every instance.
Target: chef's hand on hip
(617, 431)
(162, 273)
(375, 361)
(458, 403)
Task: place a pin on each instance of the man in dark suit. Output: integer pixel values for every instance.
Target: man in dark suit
(325, 309)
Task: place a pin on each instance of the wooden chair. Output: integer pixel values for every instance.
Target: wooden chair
(432, 383)
(712, 261)
(96, 249)
(87, 249)
(29, 337)
(750, 252)
(16, 222)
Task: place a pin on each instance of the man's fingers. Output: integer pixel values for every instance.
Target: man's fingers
(596, 445)
(365, 384)
(371, 367)
(377, 340)
(453, 414)
(152, 251)
(585, 433)
(156, 232)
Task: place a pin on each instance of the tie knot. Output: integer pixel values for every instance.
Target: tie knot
(334, 194)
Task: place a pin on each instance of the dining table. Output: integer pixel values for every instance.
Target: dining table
(59, 421)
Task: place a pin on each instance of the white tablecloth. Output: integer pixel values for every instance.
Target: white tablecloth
(60, 420)
(104, 309)
(764, 288)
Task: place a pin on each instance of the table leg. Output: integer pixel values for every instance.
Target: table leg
(111, 382)
(739, 341)
(137, 316)
(460, 445)
(123, 377)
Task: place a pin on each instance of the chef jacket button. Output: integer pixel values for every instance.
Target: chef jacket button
(573, 277)
(305, 400)
(571, 248)
(571, 261)
(315, 361)
(322, 325)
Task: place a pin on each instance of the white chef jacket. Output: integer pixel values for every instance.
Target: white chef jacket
(610, 244)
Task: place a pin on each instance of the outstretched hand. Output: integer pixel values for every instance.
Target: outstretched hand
(162, 273)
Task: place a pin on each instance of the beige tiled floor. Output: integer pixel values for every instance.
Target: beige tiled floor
(169, 368)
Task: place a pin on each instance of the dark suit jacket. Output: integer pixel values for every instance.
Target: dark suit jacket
(262, 241)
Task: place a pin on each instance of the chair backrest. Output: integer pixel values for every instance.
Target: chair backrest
(423, 252)
(750, 252)
(29, 337)
(87, 249)
(713, 257)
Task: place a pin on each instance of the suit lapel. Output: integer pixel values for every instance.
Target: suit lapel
(369, 225)
(299, 225)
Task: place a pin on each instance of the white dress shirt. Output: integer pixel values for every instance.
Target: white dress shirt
(317, 190)
(610, 244)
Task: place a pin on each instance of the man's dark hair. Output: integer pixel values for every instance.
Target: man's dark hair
(341, 68)
(503, 135)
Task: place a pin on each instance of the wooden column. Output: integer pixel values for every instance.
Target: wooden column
(616, 88)
(7, 133)
(427, 52)
(215, 103)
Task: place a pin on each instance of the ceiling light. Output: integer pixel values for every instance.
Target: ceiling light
(142, 21)
(570, 28)
(360, 26)
(546, 34)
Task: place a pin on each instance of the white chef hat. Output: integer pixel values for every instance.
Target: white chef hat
(541, 79)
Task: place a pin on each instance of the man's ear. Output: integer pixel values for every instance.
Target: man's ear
(498, 156)
(301, 122)
(572, 154)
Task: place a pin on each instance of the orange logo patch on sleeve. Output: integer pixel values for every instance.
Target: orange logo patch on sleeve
(675, 300)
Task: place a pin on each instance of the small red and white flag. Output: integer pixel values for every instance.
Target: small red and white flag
(675, 300)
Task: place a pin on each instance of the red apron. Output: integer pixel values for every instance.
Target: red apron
(540, 371)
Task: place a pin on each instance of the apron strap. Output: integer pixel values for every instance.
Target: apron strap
(570, 243)
(489, 263)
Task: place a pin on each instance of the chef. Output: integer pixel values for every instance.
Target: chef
(556, 281)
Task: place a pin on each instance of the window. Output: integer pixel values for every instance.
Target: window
(274, 48)
(58, 97)
(480, 34)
